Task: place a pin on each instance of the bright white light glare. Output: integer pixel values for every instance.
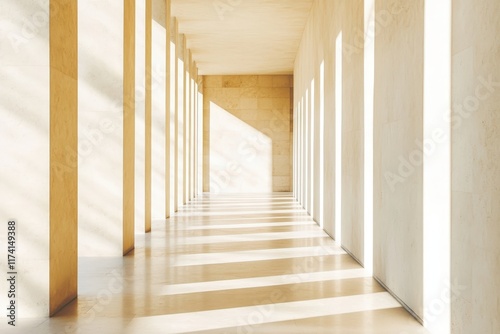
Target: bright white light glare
(255, 282)
(321, 144)
(302, 153)
(307, 164)
(312, 158)
(255, 237)
(241, 156)
(338, 138)
(183, 260)
(437, 165)
(287, 311)
(369, 73)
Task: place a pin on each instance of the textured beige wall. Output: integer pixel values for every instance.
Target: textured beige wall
(398, 122)
(247, 133)
(353, 132)
(476, 166)
(412, 156)
(182, 117)
(25, 128)
(315, 93)
(305, 71)
(330, 30)
(411, 218)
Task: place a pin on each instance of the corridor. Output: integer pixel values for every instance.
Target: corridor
(231, 264)
(257, 166)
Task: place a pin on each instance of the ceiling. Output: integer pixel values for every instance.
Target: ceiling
(242, 36)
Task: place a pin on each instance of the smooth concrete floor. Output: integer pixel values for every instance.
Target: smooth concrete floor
(230, 264)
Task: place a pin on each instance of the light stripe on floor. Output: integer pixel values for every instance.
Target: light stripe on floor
(293, 278)
(246, 317)
(254, 255)
(209, 212)
(249, 237)
(244, 225)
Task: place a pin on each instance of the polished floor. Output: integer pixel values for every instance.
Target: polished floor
(230, 264)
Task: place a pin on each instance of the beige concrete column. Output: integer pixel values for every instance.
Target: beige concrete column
(294, 154)
(190, 117)
(206, 138)
(398, 127)
(316, 133)
(190, 183)
(147, 115)
(181, 107)
(200, 131)
(330, 125)
(300, 187)
(187, 120)
(305, 158)
(185, 125)
(195, 132)
(298, 121)
(129, 127)
(310, 146)
(353, 133)
(63, 136)
(38, 123)
(475, 167)
(168, 100)
(176, 39)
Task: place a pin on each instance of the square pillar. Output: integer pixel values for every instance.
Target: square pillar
(179, 118)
